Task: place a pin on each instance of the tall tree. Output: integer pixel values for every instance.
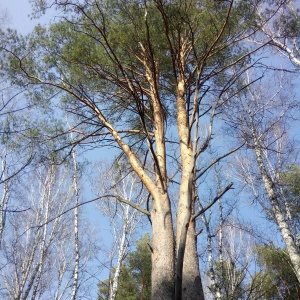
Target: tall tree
(261, 118)
(135, 73)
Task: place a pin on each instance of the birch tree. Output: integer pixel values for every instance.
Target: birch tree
(284, 31)
(230, 244)
(76, 227)
(37, 258)
(262, 120)
(121, 187)
(143, 77)
(13, 162)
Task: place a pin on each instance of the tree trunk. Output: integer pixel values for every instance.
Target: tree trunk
(76, 229)
(214, 288)
(4, 199)
(191, 280)
(121, 253)
(162, 276)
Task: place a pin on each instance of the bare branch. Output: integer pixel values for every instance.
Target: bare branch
(203, 210)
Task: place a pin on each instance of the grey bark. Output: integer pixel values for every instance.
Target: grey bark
(163, 257)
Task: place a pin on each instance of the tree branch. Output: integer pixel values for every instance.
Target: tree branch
(203, 210)
(137, 207)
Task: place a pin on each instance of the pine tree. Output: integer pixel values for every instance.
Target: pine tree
(135, 278)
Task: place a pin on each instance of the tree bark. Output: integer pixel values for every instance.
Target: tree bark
(76, 229)
(279, 216)
(214, 288)
(121, 253)
(187, 282)
(191, 283)
(163, 258)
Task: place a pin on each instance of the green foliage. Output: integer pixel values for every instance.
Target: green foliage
(103, 43)
(127, 290)
(135, 277)
(290, 184)
(230, 280)
(290, 180)
(139, 262)
(277, 280)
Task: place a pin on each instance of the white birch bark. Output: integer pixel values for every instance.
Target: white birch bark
(123, 217)
(39, 266)
(42, 241)
(278, 214)
(214, 289)
(4, 198)
(121, 253)
(76, 228)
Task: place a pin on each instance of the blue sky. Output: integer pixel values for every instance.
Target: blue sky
(19, 15)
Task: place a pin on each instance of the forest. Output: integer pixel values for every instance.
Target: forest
(150, 150)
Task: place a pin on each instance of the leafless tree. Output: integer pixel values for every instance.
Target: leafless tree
(13, 162)
(283, 31)
(38, 258)
(121, 187)
(262, 114)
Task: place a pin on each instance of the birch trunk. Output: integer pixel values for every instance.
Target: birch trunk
(115, 281)
(292, 223)
(41, 255)
(3, 203)
(214, 288)
(279, 216)
(76, 234)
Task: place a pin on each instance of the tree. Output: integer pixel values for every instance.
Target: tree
(121, 187)
(261, 119)
(13, 163)
(134, 73)
(135, 276)
(127, 287)
(37, 257)
(279, 279)
(284, 31)
(232, 268)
